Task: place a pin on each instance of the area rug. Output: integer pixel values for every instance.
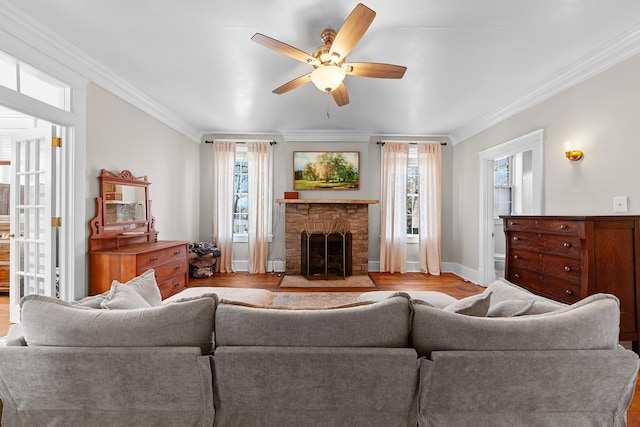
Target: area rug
(314, 299)
(296, 281)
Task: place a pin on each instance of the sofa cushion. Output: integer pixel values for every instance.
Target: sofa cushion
(93, 301)
(146, 286)
(475, 305)
(591, 323)
(503, 290)
(510, 308)
(382, 324)
(52, 322)
(438, 299)
(123, 297)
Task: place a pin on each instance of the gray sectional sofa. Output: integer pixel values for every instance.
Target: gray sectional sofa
(502, 358)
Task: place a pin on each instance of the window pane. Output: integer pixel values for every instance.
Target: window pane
(44, 88)
(8, 72)
(413, 218)
(501, 172)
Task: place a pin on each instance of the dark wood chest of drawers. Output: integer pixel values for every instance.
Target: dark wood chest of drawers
(168, 258)
(567, 258)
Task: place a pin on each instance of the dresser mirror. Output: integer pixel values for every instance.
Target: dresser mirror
(124, 203)
(123, 211)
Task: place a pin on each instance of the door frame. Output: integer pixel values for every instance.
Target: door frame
(531, 141)
(73, 233)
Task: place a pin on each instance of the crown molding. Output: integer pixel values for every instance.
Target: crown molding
(608, 55)
(61, 52)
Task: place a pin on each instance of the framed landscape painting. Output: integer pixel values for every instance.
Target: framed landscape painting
(326, 170)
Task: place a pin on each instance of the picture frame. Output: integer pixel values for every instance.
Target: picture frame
(326, 170)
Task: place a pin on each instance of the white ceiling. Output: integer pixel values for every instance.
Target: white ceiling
(469, 63)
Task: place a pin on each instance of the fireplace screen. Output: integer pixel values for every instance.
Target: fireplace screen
(326, 250)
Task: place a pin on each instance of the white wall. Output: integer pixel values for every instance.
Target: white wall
(599, 116)
(121, 137)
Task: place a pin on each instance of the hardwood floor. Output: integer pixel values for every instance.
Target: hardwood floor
(447, 283)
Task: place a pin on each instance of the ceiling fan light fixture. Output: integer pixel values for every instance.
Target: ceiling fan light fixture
(328, 77)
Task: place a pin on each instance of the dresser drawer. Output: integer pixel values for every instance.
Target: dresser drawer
(545, 285)
(153, 259)
(170, 269)
(568, 269)
(524, 240)
(172, 286)
(553, 226)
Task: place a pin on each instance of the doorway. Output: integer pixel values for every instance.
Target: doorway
(28, 194)
(510, 183)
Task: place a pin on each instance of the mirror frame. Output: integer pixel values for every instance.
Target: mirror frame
(116, 234)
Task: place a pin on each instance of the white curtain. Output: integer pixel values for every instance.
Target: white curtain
(429, 188)
(224, 163)
(393, 215)
(259, 163)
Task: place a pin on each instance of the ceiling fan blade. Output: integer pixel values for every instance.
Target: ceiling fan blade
(340, 95)
(284, 49)
(293, 84)
(352, 30)
(377, 70)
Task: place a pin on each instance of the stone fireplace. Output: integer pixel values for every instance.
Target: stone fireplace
(299, 213)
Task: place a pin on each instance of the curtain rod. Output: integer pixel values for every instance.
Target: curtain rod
(241, 142)
(413, 143)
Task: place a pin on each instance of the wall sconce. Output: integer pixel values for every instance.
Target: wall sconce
(572, 154)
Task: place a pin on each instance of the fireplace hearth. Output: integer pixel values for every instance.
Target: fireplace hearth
(326, 250)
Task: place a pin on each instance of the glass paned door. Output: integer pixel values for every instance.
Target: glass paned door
(33, 240)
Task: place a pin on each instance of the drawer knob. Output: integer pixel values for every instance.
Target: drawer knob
(176, 252)
(516, 257)
(517, 276)
(153, 258)
(516, 238)
(567, 268)
(177, 267)
(566, 244)
(175, 285)
(569, 292)
(563, 226)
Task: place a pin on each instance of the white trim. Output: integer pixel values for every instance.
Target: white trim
(532, 141)
(617, 50)
(59, 50)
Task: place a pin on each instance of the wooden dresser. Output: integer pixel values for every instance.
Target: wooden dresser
(168, 259)
(124, 243)
(570, 257)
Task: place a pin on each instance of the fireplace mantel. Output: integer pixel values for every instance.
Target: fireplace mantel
(328, 201)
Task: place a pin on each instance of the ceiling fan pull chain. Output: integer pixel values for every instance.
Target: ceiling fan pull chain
(328, 105)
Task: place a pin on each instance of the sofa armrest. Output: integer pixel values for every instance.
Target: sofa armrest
(543, 388)
(88, 386)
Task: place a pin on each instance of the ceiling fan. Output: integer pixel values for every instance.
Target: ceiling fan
(328, 60)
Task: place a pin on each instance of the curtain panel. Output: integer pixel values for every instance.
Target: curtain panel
(430, 202)
(224, 161)
(393, 207)
(259, 163)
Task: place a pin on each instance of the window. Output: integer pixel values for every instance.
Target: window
(241, 194)
(26, 80)
(413, 206)
(502, 186)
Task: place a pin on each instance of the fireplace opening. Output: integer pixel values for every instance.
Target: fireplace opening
(325, 250)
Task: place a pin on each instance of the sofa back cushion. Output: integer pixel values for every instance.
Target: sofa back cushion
(48, 321)
(591, 323)
(381, 324)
